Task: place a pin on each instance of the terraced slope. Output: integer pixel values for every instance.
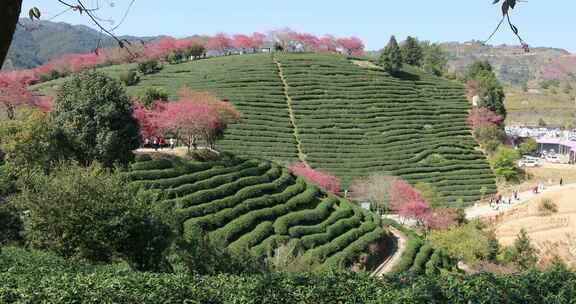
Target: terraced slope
(353, 121)
(347, 120)
(253, 85)
(254, 205)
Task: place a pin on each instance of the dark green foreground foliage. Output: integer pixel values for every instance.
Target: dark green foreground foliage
(419, 257)
(35, 277)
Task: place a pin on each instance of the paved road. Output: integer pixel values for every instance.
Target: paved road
(484, 210)
(392, 260)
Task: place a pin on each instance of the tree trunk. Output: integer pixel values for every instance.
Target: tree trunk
(9, 13)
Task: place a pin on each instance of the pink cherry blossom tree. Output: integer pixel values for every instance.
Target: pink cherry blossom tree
(308, 41)
(195, 115)
(408, 202)
(257, 41)
(440, 218)
(14, 91)
(327, 44)
(321, 179)
(351, 46)
(219, 43)
(481, 117)
(243, 42)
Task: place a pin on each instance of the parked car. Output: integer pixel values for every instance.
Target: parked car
(552, 158)
(530, 163)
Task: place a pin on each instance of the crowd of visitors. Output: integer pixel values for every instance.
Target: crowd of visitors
(158, 142)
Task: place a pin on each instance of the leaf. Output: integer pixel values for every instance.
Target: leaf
(495, 1)
(505, 8)
(34, 13)
(514, 29)
(511, 3)
(121, 44)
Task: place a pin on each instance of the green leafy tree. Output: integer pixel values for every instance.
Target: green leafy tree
(99, 113)
(195, 51)
(152, 94)
(504, 164)
(35, 142)
(434, 61)
(175, 57)
(129, 77)
(149, 67)
(391, 57)
(90, 213)
(460, 216)
(493, 246)
(490, 137)
(412, 52)
(523, 253)
(490, 89)
(467, 242)
(529, 146)
(477, 68)
(430, 194)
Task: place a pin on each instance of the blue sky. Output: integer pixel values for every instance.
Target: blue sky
(540, 22)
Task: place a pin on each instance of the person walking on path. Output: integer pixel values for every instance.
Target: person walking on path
(194, 142)
(172, 143)
(155, 144)
(161, 142)
(561, 182)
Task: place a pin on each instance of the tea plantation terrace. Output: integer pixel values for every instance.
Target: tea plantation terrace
(255, 205)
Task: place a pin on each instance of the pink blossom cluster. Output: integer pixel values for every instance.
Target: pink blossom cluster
(409, 203)
(481, 117)
(195, 114)
(323, 180)
(288, 40)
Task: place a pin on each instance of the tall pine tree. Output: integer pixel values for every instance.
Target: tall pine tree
(412, 52)
(391, 58)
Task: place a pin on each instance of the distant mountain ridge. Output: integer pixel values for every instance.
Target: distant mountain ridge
(48, 40)
(513, 66)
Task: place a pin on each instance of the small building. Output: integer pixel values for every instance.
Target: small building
(563, 147)
(475, 101)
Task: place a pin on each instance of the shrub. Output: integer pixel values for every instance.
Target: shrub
(528, 147)
(152, 94)
(34, 142)
(99, 114)
(466, 242)
(149, 67)
(129, 77)
(87, 213)
(547, 206)
(504, 164)
(10, 224)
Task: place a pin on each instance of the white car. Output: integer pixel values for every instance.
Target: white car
(530, 163)
(552, 158)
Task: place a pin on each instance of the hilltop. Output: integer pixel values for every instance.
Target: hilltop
(339, 117)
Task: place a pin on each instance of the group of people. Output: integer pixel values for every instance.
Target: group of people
(498, 200)
(158, 142)
(539, 188)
